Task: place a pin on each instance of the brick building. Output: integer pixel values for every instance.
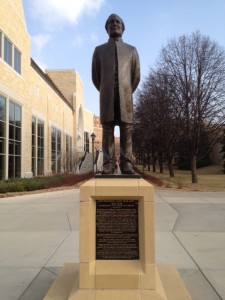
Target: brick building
(97, 132)
(43, 121)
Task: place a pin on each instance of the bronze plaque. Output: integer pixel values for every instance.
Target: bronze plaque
(117, 229)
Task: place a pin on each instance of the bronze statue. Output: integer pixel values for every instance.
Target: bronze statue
(116, 74)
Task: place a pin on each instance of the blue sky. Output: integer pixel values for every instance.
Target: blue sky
(64, 33)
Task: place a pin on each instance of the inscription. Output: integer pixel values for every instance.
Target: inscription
(117, 229)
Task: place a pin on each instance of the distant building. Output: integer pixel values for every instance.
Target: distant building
(43, 122)
(97, 132)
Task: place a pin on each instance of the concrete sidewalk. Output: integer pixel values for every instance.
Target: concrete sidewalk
(40, 232)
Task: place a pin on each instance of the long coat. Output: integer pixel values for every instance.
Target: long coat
(103, 66)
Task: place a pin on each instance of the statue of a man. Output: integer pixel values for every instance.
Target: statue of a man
(116, 74)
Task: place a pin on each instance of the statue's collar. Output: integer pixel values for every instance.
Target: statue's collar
(119, 39)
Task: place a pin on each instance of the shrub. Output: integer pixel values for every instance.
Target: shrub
(38, 183)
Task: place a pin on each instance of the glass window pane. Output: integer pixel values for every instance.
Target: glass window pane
(11, 167)
(33, 125)
(39, 152)
(53, 155)
(53, 134)
(17, 133)
(2, 108)
(40, 167)
(59, 165)
(33, 152)
(11, 147)
(33, 166)
(33, 140)
(53, 167)
(2, 129)
(39, 142)
(11, 132)
(40, 128)
(17, 148)
(2, 167)
(7, 51)
(53, 146)
(11, 112)
(17, 60)
(59, 137)
(17, 166)
(17, 115)
(2, 146)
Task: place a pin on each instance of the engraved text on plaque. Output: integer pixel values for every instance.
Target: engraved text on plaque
(117, 229)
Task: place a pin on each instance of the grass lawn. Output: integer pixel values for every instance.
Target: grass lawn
(210, 179)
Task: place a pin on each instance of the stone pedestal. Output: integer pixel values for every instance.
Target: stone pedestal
(133, 276)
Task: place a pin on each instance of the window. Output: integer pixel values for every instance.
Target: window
(34, 148)
(2, 136)
(14, 143)
(56, 150)
(68, 153)
(37, 147)
(7, 51)
(17, 60)
(86, 141)
(10, 139)
(12, 55)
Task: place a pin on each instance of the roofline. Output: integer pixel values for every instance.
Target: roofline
(49, 82)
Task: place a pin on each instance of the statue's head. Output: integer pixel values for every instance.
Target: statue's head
(114, 26)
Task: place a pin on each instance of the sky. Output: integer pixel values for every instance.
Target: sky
(64, 33)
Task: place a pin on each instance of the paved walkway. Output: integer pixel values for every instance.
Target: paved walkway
(39, 233)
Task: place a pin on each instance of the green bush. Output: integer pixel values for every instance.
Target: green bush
(21, 185)
(38, 183)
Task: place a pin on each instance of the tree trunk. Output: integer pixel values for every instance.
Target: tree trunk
(149, 163)
(194, 169)
(160, 166)
(160, 160)
(154, 165)
(170, 167)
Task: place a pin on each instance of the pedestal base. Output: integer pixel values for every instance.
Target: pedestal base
(169, 286)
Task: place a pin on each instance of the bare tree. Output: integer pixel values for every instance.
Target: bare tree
(160, 116)
(197, 64)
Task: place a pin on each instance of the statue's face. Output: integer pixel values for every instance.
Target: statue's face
(114, 27)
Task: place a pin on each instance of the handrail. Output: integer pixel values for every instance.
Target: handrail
(83, 158)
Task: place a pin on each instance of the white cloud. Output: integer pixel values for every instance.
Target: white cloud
(55, 12)
(39, 41)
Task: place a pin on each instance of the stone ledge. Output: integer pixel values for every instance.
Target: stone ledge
(169, 287)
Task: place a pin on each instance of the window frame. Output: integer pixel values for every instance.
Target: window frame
(14, 141)
(86, 141)
(37, 144)
(17, 60)
(3, 139)
(56, 150)
(8, 56)
(69, 158)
